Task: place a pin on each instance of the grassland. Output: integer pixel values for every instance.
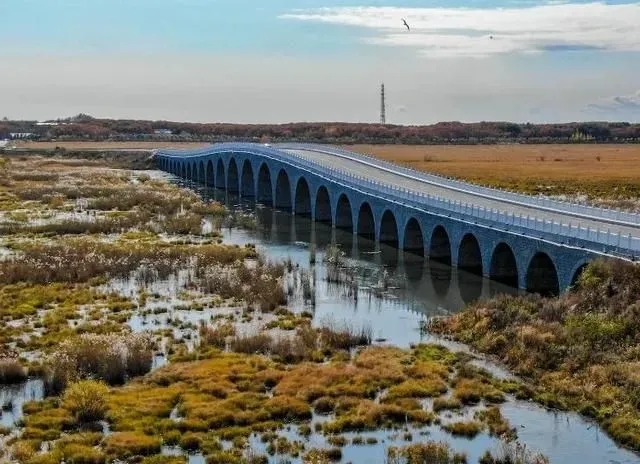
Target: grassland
(603, 174)
(599, 172)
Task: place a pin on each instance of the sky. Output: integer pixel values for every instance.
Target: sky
(278, 61)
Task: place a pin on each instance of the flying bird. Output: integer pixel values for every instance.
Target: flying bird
(405, 23)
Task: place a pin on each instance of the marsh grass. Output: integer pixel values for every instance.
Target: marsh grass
(513, 453)
(125, 445)
(86, 400)
(431, 452)
(79, 260)
(344, 336)
(215, 336)
(11, 371)
(579, 350)
(465, 429)
(112, 358)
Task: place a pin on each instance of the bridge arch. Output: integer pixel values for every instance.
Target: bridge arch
(265, 185)
(413, 239)
(283, 191)
(440, 246)
(211, 180)
(504, 268)
(303, 198)
(469, 255)
(220, 177)
(389, 229)
(366, 222)
(542, 276)
(323, 205)
(233, 182)
(344, 214)
(183, 171)
(201, 173)
(247, 182)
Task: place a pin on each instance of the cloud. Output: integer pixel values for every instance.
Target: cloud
(452, 32)
(620, 105)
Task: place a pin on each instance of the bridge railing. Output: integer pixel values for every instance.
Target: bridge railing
(596, 240)
(538, 201)
(570, 234)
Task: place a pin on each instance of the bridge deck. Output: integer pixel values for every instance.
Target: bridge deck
(361, 168)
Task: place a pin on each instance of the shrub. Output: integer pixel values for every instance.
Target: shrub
(315, 455)
(215, 336)
(82, 454)
(23, 450)
(111, 358)
(440, 404)
(190, 441)
(465, 429)
(251, 344)
(164, 459)
(344, 337)
(11, 371)
(86, 400)
(418, 389)
(127, 444)
(431, 452)
(510, 453)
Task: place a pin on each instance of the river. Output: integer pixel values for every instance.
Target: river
(392, 293)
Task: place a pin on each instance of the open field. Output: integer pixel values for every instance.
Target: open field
(598, 171)
(604, 174)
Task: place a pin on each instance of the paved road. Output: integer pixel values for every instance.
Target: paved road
(375, 173)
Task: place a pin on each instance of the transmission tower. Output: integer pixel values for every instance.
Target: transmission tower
(383, 106)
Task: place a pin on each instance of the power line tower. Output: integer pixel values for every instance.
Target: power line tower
(383, 106)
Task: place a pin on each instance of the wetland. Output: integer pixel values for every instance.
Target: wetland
(149, 320)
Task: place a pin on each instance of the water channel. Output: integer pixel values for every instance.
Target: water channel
(393, 292)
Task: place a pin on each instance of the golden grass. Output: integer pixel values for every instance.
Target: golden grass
(596, 170)
(580, 351)
(600, 171)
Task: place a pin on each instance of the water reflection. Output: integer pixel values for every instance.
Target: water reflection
(440, 275)
(375, 275)
(470, 286)
(13, 397)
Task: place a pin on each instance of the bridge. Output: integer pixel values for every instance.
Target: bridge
(531, 242)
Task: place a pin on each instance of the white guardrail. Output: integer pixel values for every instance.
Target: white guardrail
(572, 234)
(616, 216)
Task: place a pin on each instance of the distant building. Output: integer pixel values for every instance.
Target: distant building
(22, 135)
(163, 132)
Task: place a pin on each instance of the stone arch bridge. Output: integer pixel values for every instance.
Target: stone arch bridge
(534, 243)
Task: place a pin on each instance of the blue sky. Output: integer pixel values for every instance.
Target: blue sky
(286, 60)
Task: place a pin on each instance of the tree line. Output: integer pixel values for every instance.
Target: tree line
(84, 127)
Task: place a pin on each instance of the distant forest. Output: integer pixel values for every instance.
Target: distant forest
(84, 127)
